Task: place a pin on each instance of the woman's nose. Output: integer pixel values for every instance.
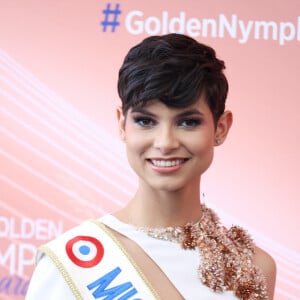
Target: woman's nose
(166, 139)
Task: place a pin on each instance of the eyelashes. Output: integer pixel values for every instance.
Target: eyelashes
(189, 123)
(185, 123)
(144, 121)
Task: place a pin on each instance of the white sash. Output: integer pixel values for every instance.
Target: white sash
(96, 266)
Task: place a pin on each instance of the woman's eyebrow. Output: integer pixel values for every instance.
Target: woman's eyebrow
(142, 110)
(189, 113)
(186, 113)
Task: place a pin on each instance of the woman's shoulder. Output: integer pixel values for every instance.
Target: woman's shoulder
(264, 260)
(267, 264)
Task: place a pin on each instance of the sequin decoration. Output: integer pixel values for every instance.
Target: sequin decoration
(226, 255)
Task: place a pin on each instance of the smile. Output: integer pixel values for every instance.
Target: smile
(167, 163)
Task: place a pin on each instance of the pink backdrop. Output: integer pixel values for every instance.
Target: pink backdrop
(60, 155)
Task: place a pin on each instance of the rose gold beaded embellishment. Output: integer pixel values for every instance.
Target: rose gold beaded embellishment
(226, 255)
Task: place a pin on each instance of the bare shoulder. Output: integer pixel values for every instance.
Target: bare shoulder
(268, 266)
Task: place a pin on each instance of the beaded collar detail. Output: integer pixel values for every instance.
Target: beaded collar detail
(226, 255)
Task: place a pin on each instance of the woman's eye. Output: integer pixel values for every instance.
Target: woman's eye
(144, 122)
(189, 123)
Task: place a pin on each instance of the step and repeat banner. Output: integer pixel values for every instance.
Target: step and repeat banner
(62, 161)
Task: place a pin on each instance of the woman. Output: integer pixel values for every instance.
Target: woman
(164, 244)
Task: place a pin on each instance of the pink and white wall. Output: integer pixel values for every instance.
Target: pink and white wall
(61, 159)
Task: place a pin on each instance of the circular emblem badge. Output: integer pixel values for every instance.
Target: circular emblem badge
(85, 251)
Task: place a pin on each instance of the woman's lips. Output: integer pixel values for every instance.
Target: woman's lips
(166, 165)
(166, 162)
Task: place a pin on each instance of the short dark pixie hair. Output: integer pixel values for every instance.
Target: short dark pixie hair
(175, 69)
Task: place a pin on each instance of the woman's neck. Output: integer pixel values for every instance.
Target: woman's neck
(152, 208)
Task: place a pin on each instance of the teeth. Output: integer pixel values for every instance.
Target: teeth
(166, 163)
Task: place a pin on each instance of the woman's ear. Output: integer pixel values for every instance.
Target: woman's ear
(121, 122)
(223, 125)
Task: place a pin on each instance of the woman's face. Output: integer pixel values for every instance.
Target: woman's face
(169, 148)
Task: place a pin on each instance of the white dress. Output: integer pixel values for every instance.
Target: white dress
(179, 265)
